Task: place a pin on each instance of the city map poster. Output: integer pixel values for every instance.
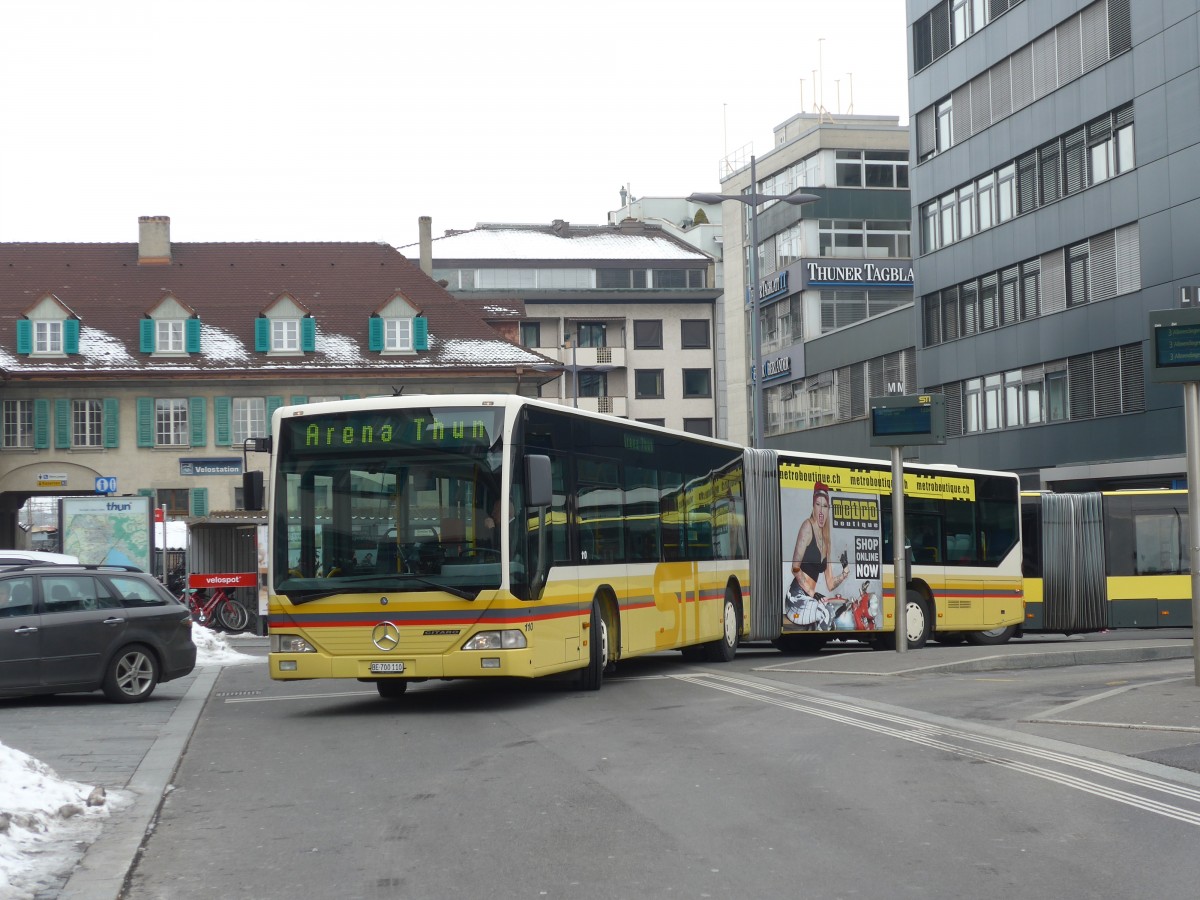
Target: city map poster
(108, 530)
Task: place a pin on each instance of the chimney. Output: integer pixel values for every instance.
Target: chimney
(154, 240)
(425, 225)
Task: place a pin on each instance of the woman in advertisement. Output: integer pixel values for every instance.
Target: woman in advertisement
(804, 605)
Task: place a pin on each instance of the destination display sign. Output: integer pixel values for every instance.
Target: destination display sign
(389, 430)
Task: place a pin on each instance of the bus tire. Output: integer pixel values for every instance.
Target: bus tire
(799, 644)
(992, 636)
(915, 619)
(724, 649)
(949, 637)
(592, 675)
(391, 689)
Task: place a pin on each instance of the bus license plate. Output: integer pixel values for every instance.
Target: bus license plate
(380, 667)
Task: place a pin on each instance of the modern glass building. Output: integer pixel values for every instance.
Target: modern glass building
(1056, 203)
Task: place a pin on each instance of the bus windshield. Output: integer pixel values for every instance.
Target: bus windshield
(387, 499)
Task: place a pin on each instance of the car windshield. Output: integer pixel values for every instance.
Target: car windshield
(388, 500)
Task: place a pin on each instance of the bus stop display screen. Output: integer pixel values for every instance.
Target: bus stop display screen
(1177, 345)
(901, 421)
(369, 431)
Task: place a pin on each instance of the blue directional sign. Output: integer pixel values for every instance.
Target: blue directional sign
(106, 485)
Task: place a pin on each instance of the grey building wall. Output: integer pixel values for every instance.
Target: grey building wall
(1161, 77)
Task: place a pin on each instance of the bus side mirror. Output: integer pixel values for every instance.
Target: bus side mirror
(539, 482)
(252, 490)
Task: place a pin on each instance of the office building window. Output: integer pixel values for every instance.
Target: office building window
(648, 384)
(647, 334)
(698, 426)
(694, 334)
(697, 383)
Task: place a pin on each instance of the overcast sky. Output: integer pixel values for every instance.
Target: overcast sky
(347, 120)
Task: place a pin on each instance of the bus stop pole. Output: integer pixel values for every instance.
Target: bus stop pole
(899, 553)
(1191, 424)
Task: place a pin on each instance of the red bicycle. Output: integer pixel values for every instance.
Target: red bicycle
(217, 610)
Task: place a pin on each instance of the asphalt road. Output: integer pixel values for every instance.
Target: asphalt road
(841, 775)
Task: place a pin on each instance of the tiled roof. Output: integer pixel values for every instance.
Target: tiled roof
(561, 241)
(229, 284)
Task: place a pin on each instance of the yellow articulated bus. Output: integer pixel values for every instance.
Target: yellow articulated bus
(439, 537)
(1106, 560)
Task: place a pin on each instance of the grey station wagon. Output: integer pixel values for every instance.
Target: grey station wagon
(67, 628)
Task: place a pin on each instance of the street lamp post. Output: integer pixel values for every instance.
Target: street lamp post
(754, 200)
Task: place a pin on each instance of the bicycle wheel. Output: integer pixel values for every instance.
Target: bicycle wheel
(233, 615)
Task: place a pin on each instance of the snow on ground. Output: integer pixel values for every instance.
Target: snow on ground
(46, 822)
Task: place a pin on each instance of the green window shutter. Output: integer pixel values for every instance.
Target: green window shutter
(420, 333)
(375, 334)
(62, 424)
(191, 335)
(24, 336)
(196, 408)
(145, 421)
(41, 424)
(71, 337)
(145, 492)
(262, 334)
(349, 396)
(223, 420)
(296, 401)
(308, 334)
(273, 403)
(146, 335)
(199, 501)
(112, 422)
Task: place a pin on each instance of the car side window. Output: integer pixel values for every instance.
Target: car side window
(136, 592)
(16, 597)
(75, 593)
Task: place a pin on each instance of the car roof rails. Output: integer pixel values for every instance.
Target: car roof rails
(59, 567)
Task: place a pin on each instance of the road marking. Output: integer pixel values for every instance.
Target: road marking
(942, 737)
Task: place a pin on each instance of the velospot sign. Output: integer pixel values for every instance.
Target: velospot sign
(224, 580)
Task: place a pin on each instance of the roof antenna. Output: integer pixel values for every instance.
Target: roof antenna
(397, 391)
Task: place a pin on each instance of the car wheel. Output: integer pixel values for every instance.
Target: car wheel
(132, 675)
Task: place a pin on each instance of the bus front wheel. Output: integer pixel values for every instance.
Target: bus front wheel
(592, 675)
(724, 649)
(915, 621)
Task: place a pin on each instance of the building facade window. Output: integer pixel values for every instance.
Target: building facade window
(531, 334)
(697, 383)
(87, 423)
(249, 419)
(171, 422)
(698, 426)
(648, 384)
(18, 424)
(593, 384)
(647, 334)
(591, 334)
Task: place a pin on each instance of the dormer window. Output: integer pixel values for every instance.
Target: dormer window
(397, 327)
(397, 334)
(171, 328)
(168, 337)
(286, 327)
(47, 338)
(48, 328)
(285, 335)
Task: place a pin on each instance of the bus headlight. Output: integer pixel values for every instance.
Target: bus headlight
(290, 643)
(509, 639)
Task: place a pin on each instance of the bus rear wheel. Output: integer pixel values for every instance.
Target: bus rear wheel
(992, 636)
